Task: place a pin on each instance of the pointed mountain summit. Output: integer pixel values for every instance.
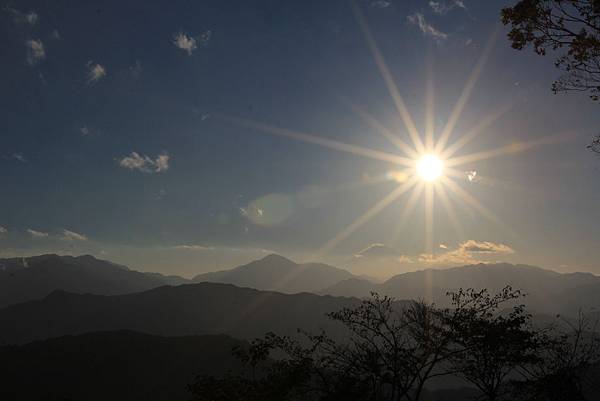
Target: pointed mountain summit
(277, 273)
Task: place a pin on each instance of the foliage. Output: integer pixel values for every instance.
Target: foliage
(569, 25)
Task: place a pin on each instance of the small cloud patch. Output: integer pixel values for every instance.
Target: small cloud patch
(95, 72)
(35, 51)
(145, 164)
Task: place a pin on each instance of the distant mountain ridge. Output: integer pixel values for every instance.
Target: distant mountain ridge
(25, 279)
(276, 273)
(190, 309)
(546, 290)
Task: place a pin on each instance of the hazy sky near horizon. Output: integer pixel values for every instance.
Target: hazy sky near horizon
(117, 139)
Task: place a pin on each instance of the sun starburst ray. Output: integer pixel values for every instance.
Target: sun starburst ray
(484, 124)
(512, 148)
(478, 206)
(381, 129)
(365, 217)
(429, 218)
(407, 211)
(429, 106)
(327, 143)
(466, 94)
(389, 80)
(449, 207)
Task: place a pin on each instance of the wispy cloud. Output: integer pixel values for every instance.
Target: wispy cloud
(35, 51)
(20, 17)
(3, 231)
(145, 164)
(380, 3)
(443, 7)
(19, 157)
(95, 72)
(193, 248)
(73, 236)
(426, 28)
(36, 234)
(190, 43)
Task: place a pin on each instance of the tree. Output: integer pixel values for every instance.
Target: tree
(572, 26)
(394, 349)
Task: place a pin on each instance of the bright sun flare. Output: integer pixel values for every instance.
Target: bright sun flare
(430, 167)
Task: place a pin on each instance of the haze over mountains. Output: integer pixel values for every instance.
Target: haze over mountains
(148, 334)
(274, 272)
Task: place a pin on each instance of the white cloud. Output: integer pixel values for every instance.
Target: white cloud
(85, 131)
(95, 72)
(3, 230)
(467, 252)
(190, 43)
(145, 164)
(426, 28)
(471, 175)
(35, 51)
(73, 236)
(442, 7)
(184, 42)
(473, 246)
(36, 234)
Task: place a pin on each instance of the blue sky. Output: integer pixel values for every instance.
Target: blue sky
(116, 139)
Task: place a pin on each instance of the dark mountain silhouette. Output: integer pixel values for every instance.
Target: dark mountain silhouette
(277, 273)
(24, 279)
(192, 309)
(120, 365)
(547, 291)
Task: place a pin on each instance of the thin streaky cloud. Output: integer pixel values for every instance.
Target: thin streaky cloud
(443, 7)
(426, 28)
(69, 235)
(36, 234)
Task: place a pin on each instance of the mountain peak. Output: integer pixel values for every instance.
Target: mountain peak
(276, 258)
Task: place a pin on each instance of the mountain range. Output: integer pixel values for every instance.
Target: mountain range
(190, 309)
(25, 279)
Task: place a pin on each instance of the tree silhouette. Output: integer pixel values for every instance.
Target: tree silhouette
(394, 349)
(569, 25)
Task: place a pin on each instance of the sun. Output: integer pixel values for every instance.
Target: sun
(430, 167)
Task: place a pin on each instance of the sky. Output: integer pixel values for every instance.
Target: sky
(190, 136)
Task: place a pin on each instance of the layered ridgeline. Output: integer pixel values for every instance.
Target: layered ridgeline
(25, 279)
(276, 273)
(546, 291)
(190, 309)
(116, 366)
